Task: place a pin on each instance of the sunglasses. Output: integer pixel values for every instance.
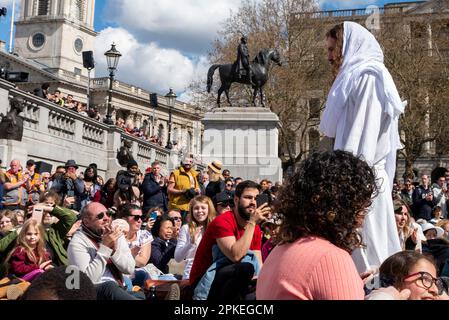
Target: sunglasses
(135, 217)
(226, 204)
(229, 185)
(176, 218)
(101, 215)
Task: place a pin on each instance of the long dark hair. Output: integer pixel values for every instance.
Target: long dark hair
(327, 197)
(337, 33)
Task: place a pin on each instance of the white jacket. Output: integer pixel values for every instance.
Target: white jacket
(84, 254)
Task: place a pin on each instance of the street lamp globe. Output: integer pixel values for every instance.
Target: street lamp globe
(171, 98)
(112, 57)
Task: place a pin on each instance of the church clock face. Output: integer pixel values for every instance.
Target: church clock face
(78, 45)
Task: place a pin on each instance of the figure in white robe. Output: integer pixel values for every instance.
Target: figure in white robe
(362, 114)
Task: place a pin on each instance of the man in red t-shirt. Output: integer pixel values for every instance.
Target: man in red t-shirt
(235, 232)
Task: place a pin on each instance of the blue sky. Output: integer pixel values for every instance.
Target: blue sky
(164, 42)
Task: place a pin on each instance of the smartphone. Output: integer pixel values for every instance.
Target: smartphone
(153, 215)
(70, 193)
(37, 215)
(261, 199)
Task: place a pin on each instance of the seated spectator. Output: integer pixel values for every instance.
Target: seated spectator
(103, 254)
(163, 247)
(408, 234)
(154, 189)
(57, 98)
(224, 202)
(139, 241)
(46, 176)
(175, 215)
(229, 185)
(437, 214)
(20, 216)
(30, 258)
(8, 220)
(43, 91)
(216, 182)
(444, 224)
(69, 102)
(229, 254)
(106, 195)
(91, 187)
(322, 205)
(413, 271)
(55, 233)
(69, 185)
(52, 285)
(81, 108)
(271, 229)
(201, 214)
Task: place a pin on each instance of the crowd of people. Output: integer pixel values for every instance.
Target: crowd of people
(211, 236)
(337, 228)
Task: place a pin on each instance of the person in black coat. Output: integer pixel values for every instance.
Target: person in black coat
(216, 181)
(154, 189)
(163, 246)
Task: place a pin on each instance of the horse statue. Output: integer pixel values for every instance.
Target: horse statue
(259, 66)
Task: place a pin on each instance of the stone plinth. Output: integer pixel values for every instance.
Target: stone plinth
(245, 140)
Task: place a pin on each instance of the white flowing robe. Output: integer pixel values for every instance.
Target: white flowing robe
(362, 114)
(365, 130)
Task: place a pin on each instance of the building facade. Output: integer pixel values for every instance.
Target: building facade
(49, 40)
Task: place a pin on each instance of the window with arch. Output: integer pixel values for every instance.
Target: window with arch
(43, 7)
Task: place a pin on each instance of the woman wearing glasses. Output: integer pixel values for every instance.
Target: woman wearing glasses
(414, 271)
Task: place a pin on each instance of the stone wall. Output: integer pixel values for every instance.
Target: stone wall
(55, 134)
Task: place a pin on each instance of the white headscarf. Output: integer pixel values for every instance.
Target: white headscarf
(361, 54)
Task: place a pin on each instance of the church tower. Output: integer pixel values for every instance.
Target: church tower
(54, 33)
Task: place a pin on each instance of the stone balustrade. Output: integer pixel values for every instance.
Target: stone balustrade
(55, 134)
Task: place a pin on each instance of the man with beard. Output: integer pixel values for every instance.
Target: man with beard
(228, 242)
(102, 253)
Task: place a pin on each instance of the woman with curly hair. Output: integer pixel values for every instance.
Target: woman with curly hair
(322, 206)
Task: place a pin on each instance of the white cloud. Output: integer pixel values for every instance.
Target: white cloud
(146, 64)
(6, 3)
(189, 24)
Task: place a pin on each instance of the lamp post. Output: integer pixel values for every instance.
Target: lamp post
(171, 99)
(112, 58)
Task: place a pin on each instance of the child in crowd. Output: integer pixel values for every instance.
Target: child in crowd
(201, 213)
(30, 258)
(437, 214)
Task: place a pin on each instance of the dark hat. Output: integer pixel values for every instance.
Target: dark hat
(223, 197)
(132, 163)
(30, 163)
(93, 165)
(71, 163)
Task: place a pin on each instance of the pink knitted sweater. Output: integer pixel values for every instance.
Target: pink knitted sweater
(309, 269)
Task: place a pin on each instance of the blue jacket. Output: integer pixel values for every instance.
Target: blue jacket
(220, 260)
(153, 194)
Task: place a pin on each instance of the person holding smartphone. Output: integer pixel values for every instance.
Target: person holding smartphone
(234, 237)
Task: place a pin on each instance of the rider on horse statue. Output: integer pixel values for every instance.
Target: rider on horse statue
(243, 63)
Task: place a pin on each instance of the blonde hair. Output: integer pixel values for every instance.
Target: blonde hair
(37, 255)
(11, 215)
(211, 214)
